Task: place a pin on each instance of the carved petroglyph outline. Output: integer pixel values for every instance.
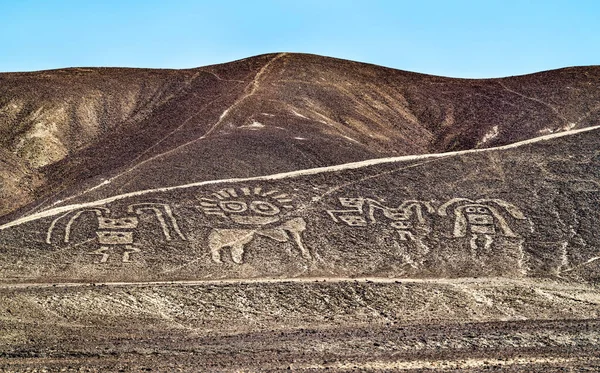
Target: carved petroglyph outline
(401, 212)
(129, 249)
(406, 235)
(126, 257)
(114, 237)
(114, 232)
(129, 222)
(236, 239)
(102, 251)
(461, 223)
(223, 205)
(400, 216)
(481, 219)
(256, 209)
(295, 227)
(67, 233)
(355, 206)
(158, 209)
(407, 220)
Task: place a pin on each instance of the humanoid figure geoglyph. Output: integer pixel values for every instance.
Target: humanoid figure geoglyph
(251, 212)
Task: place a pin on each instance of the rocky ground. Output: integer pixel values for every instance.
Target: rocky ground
(63, 132)
(194, 226)
(308, 325)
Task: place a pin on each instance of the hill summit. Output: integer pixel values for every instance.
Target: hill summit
(84, 133)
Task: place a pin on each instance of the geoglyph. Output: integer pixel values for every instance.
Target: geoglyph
(254, 213)
(481, 219)
(117, 233)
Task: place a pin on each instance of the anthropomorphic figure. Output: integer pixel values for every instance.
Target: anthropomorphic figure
(253, 213)
(360, 212)
(481, 220)
(407, 220)
(117, 233)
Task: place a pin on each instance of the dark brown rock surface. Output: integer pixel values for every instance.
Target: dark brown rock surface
(524, 210)
(74, 129)
(166, 220)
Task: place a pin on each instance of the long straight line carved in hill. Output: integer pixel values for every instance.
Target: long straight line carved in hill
(555, 110)
(185, 122)
(492, 281)
(253, 86)
(284, 175)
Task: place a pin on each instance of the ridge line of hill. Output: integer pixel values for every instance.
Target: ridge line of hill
(305, 172)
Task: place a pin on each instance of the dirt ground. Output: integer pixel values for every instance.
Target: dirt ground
(463, 325)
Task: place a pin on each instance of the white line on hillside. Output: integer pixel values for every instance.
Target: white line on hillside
(284, 175)
(525, 363)
(493, 281)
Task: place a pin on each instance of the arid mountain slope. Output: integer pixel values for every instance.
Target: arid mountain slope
(526, 210)
(75, 135)
(469, 261)
(182, 220)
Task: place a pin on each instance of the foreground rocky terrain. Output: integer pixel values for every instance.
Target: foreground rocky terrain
(137, 250)
(465, 325)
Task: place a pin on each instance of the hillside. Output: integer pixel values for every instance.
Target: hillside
(296, 212)
(522, 210)
(484, 258)
(99, 131)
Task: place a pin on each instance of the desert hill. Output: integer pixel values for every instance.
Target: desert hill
(474, 260)
(101, 131)
(522, 210)
(296, 212)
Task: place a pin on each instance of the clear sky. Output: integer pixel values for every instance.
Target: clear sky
(460, 38)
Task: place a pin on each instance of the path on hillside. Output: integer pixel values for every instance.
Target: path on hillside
(284, 175)
(378, 280)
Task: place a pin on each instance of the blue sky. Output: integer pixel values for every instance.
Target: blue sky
(460, 38)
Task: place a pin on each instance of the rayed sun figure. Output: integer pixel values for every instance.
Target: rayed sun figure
(254, 213)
